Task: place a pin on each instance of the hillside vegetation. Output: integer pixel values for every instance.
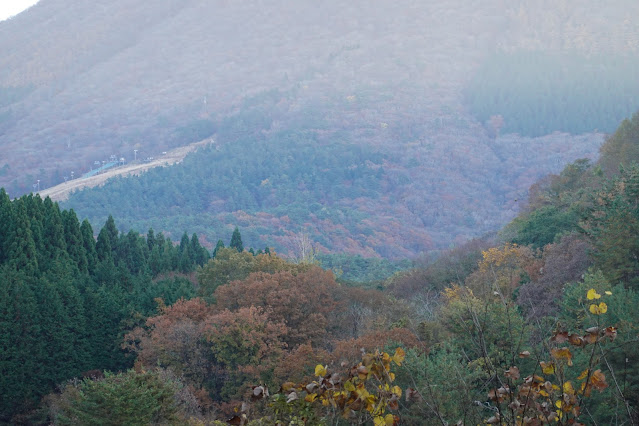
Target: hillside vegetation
(417, 86)
(357, 198)
(537, 323)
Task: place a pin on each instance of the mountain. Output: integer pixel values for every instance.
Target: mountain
(407, 81)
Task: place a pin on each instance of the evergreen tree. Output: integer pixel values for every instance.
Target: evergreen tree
(35, 213)
(22, 249)
(218, 247)
(54, 243)
(21, 369)
(88, 242)
(73, 239)
(112, 232)
(103, 246)
(200, 254)
(150, 239)
(236, 240)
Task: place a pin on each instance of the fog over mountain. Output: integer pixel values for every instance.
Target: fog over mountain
(82, 80)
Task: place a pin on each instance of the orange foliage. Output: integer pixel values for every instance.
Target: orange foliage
(302, 301)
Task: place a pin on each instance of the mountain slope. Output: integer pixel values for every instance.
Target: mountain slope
(82, 80)
(383, 87)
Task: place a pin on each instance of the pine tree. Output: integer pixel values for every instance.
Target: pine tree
(73, 240)
(200, 254)
(236, 240)
(21, 369)
(186, 257)
(22, 249)
(218, 247)
(150, 239)
(112, 232)
(36, 215)
(53, 231)
(88, 243)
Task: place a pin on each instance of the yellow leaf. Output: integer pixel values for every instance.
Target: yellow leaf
(363, 393)
(320, 370)
(397, 390)
(379, 421)
(592, 294)
(311, 397)
(399, 356)
(558, 403)
(391, 376)
(583, 375)
(389, 419)
(568, 388)
(349, 386)
(543, 393)
(602, 308)
(547, 368)
(609, 293)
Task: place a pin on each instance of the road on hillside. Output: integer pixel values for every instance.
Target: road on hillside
(62, 191)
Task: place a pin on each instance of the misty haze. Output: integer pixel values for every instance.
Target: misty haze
(190, 184)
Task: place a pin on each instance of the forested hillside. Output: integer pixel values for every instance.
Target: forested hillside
(66, 299)
(449, 109)
(536, 324)
(308, 178)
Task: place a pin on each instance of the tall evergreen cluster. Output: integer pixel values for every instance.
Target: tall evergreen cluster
(66, 298)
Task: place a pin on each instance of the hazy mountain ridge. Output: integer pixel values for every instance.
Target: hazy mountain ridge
(112, 76)
(102, 73)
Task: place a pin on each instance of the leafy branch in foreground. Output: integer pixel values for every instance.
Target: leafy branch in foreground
(550, 396)
(364, 393)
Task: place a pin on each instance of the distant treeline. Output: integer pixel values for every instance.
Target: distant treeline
(538, 93)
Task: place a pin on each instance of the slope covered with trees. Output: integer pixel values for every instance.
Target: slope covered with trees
(66, 298)
(536, 323)
(366, 199)
(80, 83)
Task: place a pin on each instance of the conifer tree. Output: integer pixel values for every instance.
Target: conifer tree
(218, 247)
(150, 239)
(236, 240)
(53, 232)
(200, 254)
(22, 249)
(112, 232)
(88, 242)
(73, 239)
(103, 246)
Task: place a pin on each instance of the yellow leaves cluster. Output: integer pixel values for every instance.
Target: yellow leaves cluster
(601, 308)
(537, 400)
(496, 256)
(592, 294)
(388, 420)
(368, 388)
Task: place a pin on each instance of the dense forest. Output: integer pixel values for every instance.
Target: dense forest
(305, 176)
(536, 325)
